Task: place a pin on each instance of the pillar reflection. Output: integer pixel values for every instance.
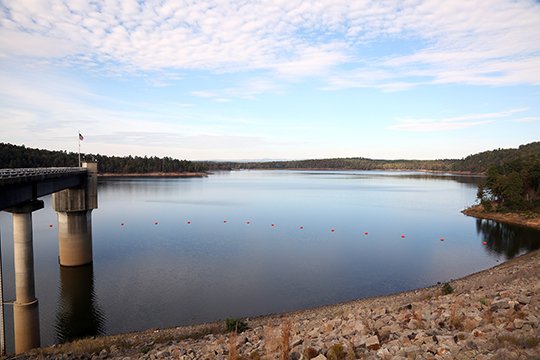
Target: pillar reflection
(78, 314)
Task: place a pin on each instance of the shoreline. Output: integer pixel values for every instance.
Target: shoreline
(493, 313)
(156, 175)
(520, 219)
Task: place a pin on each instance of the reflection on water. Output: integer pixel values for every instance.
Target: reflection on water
(78, 314)
(507, 240)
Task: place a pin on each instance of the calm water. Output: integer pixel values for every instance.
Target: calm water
(203, 261)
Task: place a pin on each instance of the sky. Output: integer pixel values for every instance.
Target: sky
(276, 79)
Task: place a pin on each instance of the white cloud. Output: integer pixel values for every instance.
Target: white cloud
(452, 123)
(472, 42)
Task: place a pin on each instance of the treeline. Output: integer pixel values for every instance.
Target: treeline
(14, 156)
(481, 162)
(512, 185)
(342, 164)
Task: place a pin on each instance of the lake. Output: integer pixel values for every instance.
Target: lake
(171, 252)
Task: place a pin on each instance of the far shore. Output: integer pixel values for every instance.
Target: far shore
(156, 174)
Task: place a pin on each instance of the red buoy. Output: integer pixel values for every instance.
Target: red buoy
(155, 222)
(224, 221)
(50, 225)
(403, 236)
(365, 233)
(273, 225)
(301, 227)
(248, 222)
(121, 224)
(189, 222)
(332, 230)
(484, 242)
(442, 239)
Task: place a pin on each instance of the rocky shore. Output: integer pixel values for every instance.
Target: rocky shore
(493, 314)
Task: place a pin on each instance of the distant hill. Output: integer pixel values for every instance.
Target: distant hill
(477, 163)
(13, 156)
(481, 162)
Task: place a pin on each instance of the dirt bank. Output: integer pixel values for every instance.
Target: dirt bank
(523, 219)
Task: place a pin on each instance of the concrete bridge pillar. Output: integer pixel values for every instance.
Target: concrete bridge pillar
(74, 209)
(25, 307)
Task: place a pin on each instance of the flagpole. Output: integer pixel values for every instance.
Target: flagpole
(79, 137)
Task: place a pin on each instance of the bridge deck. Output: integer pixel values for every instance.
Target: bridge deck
(21, 185)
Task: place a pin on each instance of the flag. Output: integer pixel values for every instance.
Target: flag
(81, 137)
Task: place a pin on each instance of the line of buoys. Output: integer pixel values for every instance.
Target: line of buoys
(301, 227)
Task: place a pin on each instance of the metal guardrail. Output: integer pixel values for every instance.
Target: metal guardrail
(29, 172)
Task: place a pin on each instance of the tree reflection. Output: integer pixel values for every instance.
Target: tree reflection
(78, 313)
(507, 240)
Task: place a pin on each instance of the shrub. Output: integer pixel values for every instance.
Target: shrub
(447, 289)
(236, 325)
(336, 352)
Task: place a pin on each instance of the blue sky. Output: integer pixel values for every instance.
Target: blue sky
(271, 79)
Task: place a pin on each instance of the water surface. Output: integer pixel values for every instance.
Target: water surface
(172, 252)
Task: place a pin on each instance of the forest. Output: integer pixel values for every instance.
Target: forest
(512, 185)
(15, 156)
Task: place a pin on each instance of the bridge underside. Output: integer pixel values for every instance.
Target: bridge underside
(14, 193)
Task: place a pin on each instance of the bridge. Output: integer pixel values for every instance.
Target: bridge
(74, 192)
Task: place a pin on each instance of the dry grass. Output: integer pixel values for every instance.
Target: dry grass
(285, 339)
(233, 351)
(271, 340)
(456, 319)
(529, 342)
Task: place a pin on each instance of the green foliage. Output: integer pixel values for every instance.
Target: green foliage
(13, 156)
(447, 289)
(513, 184)
(484, 301)
(235, 325)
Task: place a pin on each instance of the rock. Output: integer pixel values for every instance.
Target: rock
(524, 299)
(296, 341)
(518, 323)
(319, 357)
(500, 304)
(372, 343)
(384, 354)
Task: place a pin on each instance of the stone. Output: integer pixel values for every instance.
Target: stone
(518, 323)
(500, 304)
(319, 357)
(524, 299)
(384, 354)
(372, 343)
(296, 341)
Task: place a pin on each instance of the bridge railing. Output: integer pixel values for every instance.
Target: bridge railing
(27, 172)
